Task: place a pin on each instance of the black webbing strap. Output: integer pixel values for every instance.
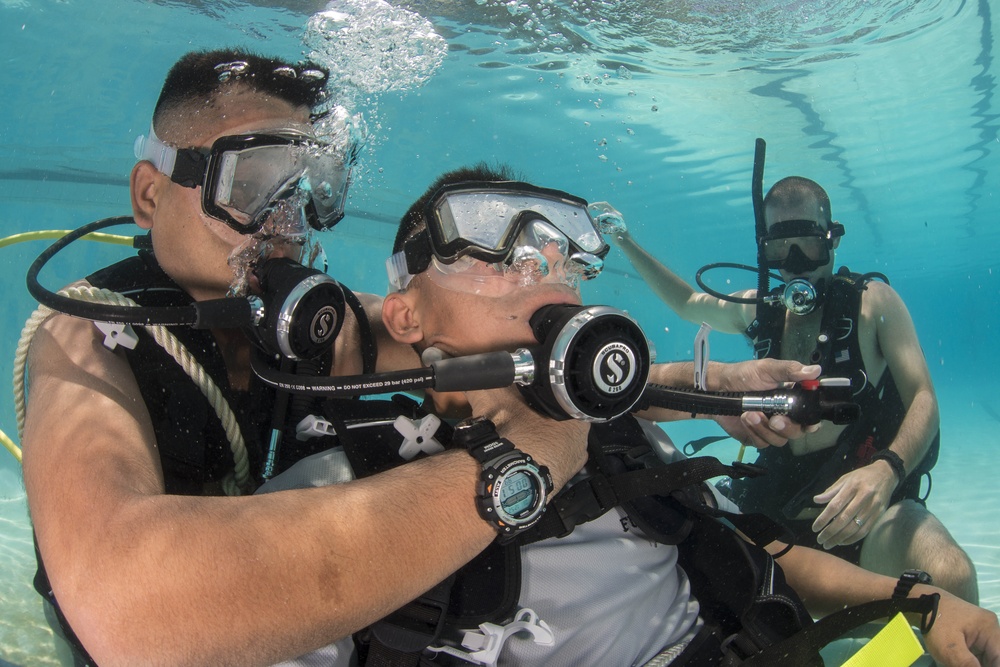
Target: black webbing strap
(399, 639)
(798, 648)
(592, 497)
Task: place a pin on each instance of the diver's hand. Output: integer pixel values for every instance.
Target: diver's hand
(755, 428)
(560, 445)
(963, 635)
(608, 219)
(854, 503)
(758, 374)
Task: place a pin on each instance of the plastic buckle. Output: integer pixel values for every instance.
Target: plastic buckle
(485, 645)
(583, 502)
(418, 436)
(116, 334)
(313, 427)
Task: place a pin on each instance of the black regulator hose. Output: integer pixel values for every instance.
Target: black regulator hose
(721, 295)
(480, 371)
(806, 403)
(686, 400)
(202, 315)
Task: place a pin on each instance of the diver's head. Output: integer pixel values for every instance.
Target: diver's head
(244, 176)
(800, 233)
(477, 230)
(480, 252)
(249, 140)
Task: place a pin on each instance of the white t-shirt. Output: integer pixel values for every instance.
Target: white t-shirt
(609, 595)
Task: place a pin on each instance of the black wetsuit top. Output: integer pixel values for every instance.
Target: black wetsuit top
(792, 480)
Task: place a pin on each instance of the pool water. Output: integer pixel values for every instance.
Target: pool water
(653, 106)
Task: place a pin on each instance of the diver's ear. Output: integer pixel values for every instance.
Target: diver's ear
(400, 318)
(143, 188)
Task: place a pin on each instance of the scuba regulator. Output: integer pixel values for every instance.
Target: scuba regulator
(298, 315)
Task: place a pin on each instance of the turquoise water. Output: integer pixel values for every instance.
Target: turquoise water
(653, 106)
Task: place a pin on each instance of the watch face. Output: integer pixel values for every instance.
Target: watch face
(517, 496)
(518, 493)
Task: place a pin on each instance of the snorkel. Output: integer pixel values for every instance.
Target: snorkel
(760, 226)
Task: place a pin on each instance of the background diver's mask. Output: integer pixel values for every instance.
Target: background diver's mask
(486, 237)
(799, 246)
(244, 177)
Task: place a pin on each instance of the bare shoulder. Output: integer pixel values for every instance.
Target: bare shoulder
(882, 303)
(88, 438)
(877, 291)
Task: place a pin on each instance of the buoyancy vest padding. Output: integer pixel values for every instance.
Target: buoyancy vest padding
(743, 595)
(793, 480)
(190, 439)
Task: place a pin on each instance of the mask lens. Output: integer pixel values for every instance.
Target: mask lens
(248, 180)
(806, 235)
(813, 247)
(539, 257)
(250, 174)
(485, 222)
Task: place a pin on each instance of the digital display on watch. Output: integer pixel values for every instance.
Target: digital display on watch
(517, 494)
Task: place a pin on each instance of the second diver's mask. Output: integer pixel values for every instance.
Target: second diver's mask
(799, 246)
(244, 177)
(490, 237)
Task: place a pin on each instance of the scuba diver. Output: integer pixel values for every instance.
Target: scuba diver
(624, 562)
(145, 429)
(851, 489)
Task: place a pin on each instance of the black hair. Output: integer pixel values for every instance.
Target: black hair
(793, 191)
(200, 76)
(413, 221)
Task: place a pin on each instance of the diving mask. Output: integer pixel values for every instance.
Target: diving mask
(799, 246)
(243, 177)
(513, 231)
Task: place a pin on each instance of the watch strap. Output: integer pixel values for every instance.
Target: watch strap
(479, 436)
(908, 580)
(894, 461)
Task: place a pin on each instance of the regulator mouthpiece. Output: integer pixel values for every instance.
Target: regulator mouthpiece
(303, 310)
(598, 363)
(799, 296)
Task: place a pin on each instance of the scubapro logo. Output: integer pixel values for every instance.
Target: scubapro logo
(614, 368)
(323, 324)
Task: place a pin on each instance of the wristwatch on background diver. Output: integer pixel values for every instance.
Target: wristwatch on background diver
(908, 580)
(512, 489)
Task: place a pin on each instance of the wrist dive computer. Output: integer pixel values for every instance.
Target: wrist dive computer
(512, 489)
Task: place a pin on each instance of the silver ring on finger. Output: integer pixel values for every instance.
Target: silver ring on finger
(858, 521)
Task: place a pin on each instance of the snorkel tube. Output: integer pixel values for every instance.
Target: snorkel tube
(760, 226)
